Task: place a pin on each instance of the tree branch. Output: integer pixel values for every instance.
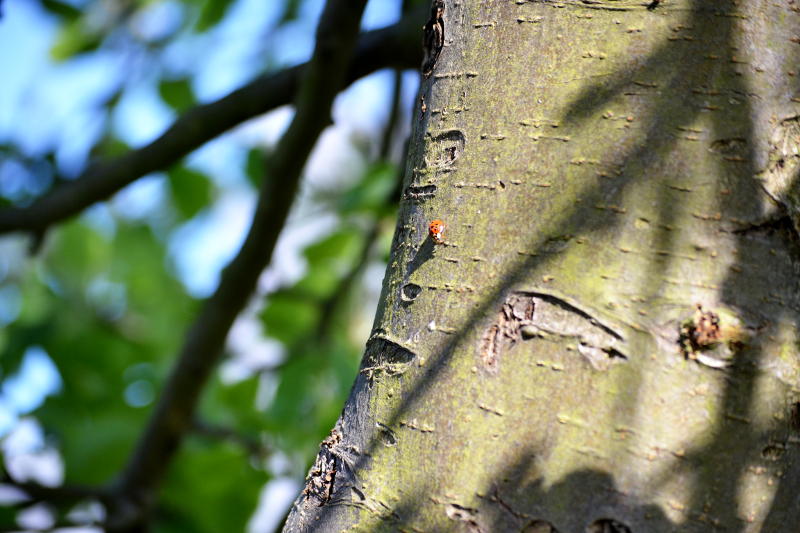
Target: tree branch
(324, 76)
(394, 114)
(395, 46)
(249, 443)
(64, 494)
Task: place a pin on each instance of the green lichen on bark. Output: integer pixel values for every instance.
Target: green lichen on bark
(606, 159)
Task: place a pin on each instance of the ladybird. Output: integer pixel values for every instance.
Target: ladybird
(436, 231)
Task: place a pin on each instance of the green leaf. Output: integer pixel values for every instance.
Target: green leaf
(74, 39)
(291, 11)
(211, 487)
(8, 514)
(76, 256)
(95, 445)
(288, 317)
(177, 94)
(308, 398)
(254, 167)
(292, 409)
(211, 13)
(335, 249)
(61, 9)
(371, 193)
(90, 418)
(328, 259)
(110, 146)
(20, 338)
(233, 405)
(191, 190)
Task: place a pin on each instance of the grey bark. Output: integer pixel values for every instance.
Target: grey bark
(603, 168)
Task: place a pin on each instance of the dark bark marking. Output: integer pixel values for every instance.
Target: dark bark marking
(450, 144)
(530, 315)
(539, 526)
(385, 356)
(794, 416)
(608, 525)
(589, 4)
(433, 37)
(410, 292)
(773, 452)
(419, 192)
(495, 497)
(595, 4)
(464, 514)
(388, 436)
(730, 146)
(781, 224)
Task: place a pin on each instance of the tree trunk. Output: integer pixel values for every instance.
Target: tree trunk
(607, 339)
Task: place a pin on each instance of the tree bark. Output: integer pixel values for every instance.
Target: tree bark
(607, 339)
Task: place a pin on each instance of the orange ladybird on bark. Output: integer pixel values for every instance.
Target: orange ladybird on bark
(436, 231)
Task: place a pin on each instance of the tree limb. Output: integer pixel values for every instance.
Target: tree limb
(395, 46)
(174, 413)
(249, 443)
(394, 113)
(65, 494)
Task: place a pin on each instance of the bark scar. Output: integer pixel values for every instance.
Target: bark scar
(333, 470)
(433, 37)
(528, 315)
(322, 479)
(385, 356)
(464, 514)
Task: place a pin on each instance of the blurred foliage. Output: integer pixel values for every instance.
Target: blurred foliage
(102, 297)
(177, 94)
(190, 189)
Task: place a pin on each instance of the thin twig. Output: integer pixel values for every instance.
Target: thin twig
(394, 113)
(68, 494)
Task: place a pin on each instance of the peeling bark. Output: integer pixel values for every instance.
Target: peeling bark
(607, 339)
